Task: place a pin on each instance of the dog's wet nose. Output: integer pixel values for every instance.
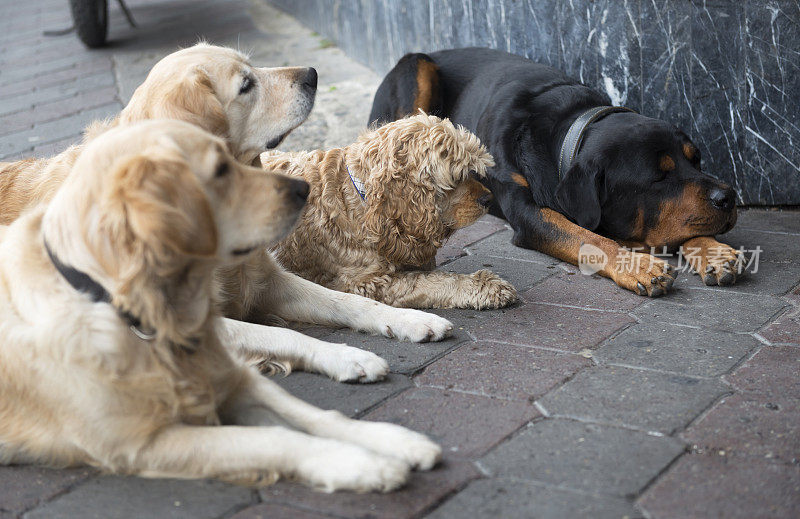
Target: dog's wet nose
(299, 189)
(310, 79)
(485, 200)
(723, 198)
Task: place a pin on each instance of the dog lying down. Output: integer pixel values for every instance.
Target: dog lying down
(219, 90)
(111, 352)
(379, 209)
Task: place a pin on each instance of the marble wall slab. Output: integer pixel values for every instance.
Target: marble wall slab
(726, 71)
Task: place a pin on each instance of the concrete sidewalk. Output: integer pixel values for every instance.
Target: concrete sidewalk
(583, 400)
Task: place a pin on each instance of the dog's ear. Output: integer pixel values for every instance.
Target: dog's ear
(164, 207)
(456, 152)
(191, 98)
(580, 194)
(402, 218)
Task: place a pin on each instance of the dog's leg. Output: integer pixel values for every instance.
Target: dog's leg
(262, 401)
(717, 263)
(260, 455)
(288, 349)
(480, 290)
(296, 299)
(552, 233)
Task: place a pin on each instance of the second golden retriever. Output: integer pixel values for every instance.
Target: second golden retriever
(380, 208)
(111, 351)
(215, 88)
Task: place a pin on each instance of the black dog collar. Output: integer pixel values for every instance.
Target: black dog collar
(574, 138)
(82, 282)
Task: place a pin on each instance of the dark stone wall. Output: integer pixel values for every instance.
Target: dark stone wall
(724, 71)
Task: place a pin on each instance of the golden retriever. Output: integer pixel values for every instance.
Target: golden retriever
(111, 352)
(217, 89)
(380, 208)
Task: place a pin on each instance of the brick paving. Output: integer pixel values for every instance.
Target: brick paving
(583, 400)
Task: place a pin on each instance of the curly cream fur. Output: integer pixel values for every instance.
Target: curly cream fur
(419, 189)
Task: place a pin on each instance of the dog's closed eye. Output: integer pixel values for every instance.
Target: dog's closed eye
(247, 85)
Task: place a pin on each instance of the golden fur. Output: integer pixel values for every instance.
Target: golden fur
(149, 211)
(199, 85)
(416, 174)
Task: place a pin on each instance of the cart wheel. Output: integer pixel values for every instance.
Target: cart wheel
(91, 21)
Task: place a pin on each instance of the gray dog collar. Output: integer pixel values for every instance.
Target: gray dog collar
(574, 138)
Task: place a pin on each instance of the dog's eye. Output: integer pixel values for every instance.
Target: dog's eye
(247, 85)
(222, 170)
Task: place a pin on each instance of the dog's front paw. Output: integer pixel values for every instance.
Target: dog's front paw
(347, 364)
(491, 291)
(715, 262)
(416, 325)
(349, 467)
(396, 441)
(643, 273)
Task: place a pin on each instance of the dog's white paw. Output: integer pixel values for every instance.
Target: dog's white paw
(348, 364)
(396, 441)
(416, 325)
(349, 467)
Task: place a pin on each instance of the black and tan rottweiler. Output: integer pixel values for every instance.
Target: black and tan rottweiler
(571, 170)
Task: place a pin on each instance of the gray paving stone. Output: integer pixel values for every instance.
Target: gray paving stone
(719, 486)
(454, 246)
(46, 112)
(403, 356)
(568, 287)
(55, 130)
(270, 511)
(509, 499)
(768, 220)
(776, 247)
(112, 497)
(501, 370)
(423, 491)
(77, 73)
(350, 399)
(750, 425)
(550, 326)
(733, 312)
(25, 486)
(464, 425)
(522, 274)
(771, 278)
(55, 92)
(499, 245)
(587, 457)
(771, 372)
(785, 329)
(644, 399)
(690, 351)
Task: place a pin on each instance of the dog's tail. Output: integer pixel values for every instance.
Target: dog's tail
(412, 85)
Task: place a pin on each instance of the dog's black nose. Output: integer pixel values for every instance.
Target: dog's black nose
(299, 189)
(485, 200)
(723, 198)
(310, 79)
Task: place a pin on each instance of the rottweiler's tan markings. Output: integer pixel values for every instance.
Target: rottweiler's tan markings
(689, 151)
(519, 179)
(427, 85)
(642, 273)
(666, 163)
(680, 218)
(715, 262)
